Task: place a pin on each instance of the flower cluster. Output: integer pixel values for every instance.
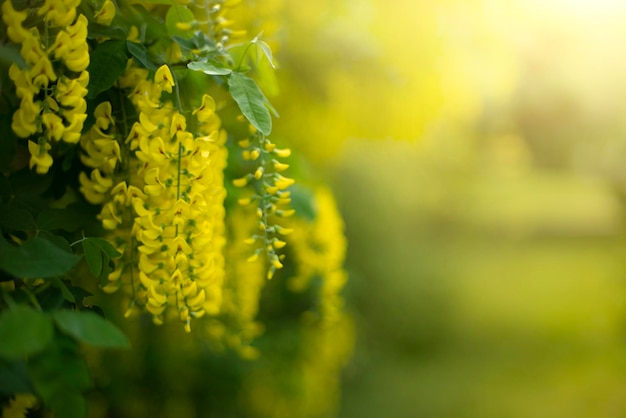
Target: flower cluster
(52, 87)
(305, 382)
(173, 200)
(238, 325)
(319, 250)
(271, 197)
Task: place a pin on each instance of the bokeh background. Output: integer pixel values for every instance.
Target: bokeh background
(477, 152)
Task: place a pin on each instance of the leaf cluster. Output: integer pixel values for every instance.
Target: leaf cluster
(43, 316)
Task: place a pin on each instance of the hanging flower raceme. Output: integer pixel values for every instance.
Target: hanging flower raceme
(271, 197)
(177, 199)
(52, 87)
(238, 325)
(318, 247)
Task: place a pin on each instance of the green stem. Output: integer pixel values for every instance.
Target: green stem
(79, 241)
(245, 52)
(7, 298)
(31, 297)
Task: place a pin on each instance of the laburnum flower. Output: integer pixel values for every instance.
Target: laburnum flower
(52, 105)
(102, 153)
(242, 290)
(59, 12)
(163, 78)
(18, 406)
(77, 56)
(319, 249)
(106, 14)
(39, 157)
(271, 196)
(23, 83)
(24, 122)
(177, 230)
(13, 19)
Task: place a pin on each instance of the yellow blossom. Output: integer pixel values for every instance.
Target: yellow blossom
(58, 12)
(18, 406)
(13, 19)
(206, 109)
(106, 14)
(39, 157)
(54, 125)
(24, 122)
(163, 78)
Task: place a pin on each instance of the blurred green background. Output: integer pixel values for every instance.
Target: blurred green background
(476, 149)
(479, 163)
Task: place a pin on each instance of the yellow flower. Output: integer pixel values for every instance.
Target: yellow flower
(283, 182)
(103, 115)
(77, 57)
(163, 79)
(23, 82)
(19, 406)
(39, 157)
(61, 45)
(54, 125)
(206, 109)
(13, 19)
(110, 216)
(42, 73)
(71, 134)
(24, 122)
(58, 12)
(106, 14)
(31, 48)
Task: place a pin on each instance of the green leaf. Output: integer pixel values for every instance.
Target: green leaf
(67, 219)
(208, 68)
(93, 256)
(168, 2)
(106, 270)
(17, 219)
(58, 370)
(23, 332)
(69, 404)
(267, 51)
(9, 54)
(179, 14)
(200, 44)
(35, 258)
(105, 246)
(51, 299)
(140, 52)
(251, 101)
(107, 63)
(110, 32)
(57, 240)
(79, 293)
(303, 201)
(90, 329)
(67, 293)
(27, 183)
(14, 377)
